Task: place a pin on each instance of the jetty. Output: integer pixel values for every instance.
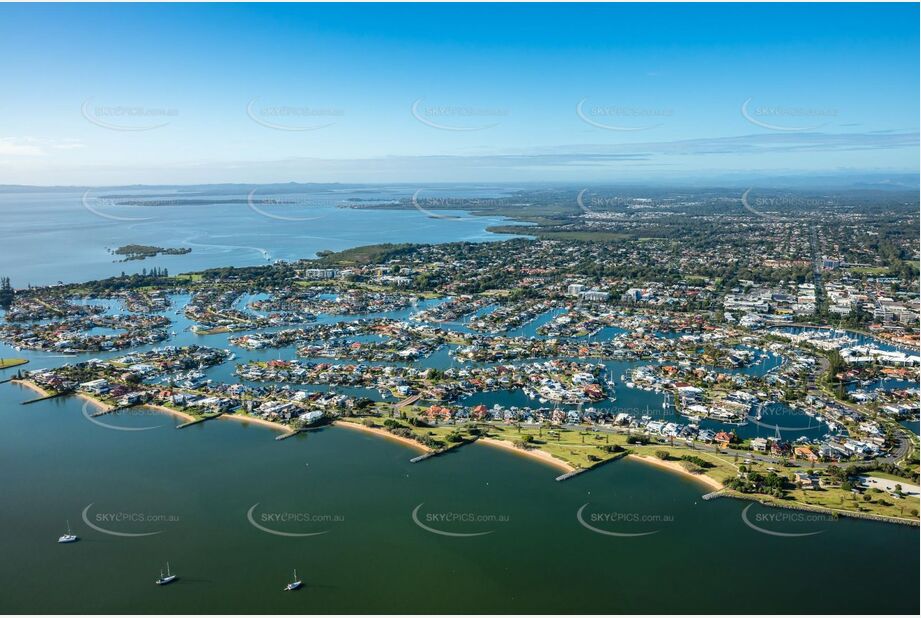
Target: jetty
(444, 450)
(201, 419)
(47, 397)
(578, 471)
(569, 475)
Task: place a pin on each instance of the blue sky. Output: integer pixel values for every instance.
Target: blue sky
(97, 94)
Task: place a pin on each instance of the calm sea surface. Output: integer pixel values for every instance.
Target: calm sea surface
(51, 237)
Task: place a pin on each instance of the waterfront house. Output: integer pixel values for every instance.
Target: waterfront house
(97, 387)
(724, 438)
(706, 435)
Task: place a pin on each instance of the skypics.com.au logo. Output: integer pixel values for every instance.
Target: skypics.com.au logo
(623, 524)
(292, 524)
(458, 524)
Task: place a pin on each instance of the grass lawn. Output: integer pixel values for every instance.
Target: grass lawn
(839, 499)
(889, 477)
(441, 433)
(580, 449)
(6, 363)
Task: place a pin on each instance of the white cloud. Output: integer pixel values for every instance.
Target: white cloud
(68, 144)
(34, 146)
(19, 147)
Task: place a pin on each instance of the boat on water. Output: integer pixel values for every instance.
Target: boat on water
(166, 579)
(294, 585)
(70, 537)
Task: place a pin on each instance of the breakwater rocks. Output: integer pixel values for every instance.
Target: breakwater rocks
(725, 493)
(444, 450)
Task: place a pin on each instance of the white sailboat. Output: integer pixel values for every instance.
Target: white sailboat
(69, 537)
(166, 579)
(294, 585)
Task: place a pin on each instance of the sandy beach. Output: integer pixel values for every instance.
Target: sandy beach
(96, 402)
(243, 418)
(29, 384)
(537, 454)
(674, 466)
(383, 433)
(101, 404)
(183, 415)
(150, 406)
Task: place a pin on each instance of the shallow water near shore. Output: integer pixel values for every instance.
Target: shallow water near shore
(194, 488)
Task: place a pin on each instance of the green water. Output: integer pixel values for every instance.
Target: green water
(198, 484)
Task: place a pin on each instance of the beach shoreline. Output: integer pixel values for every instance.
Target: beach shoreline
(151, 406)
(677, 468)
(383, 433)
(32, 386)
(183, 415)
(535, 454)
(96, 402)
(258, 421)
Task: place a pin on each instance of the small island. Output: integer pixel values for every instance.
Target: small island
(142, 252)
